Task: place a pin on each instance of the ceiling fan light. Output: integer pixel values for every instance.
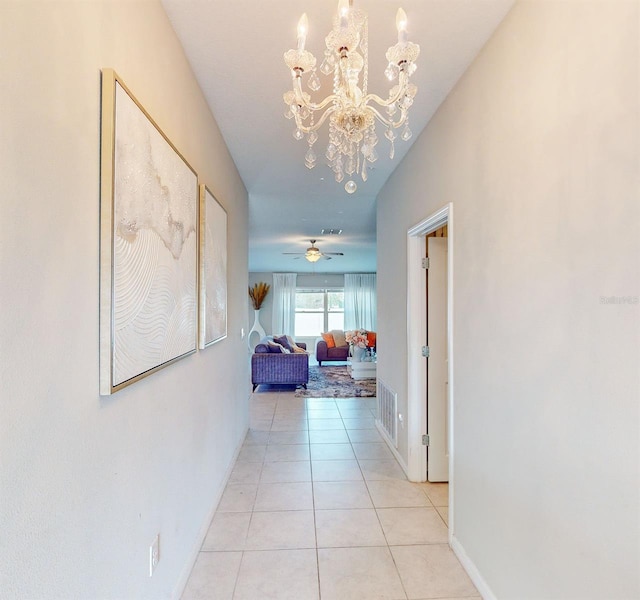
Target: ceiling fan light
(313, 256)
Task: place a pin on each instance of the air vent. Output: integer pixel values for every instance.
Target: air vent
(331, 231)
(388, 411)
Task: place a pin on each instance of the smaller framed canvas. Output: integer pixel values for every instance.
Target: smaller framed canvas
(213, 269)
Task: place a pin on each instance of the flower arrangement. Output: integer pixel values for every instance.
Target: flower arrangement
(258, 293)
(358, 338)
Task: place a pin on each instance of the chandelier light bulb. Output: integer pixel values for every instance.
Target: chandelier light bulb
(303, 28)
(343, 12)
(401, 25)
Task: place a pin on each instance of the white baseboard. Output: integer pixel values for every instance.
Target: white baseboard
(394, 450)
(471, 569)
(204, 528)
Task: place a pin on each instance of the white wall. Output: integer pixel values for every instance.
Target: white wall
(86, 482)
(537, 147)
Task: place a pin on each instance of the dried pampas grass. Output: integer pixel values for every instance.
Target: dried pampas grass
(258, 293)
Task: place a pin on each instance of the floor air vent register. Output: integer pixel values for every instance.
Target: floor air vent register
(388, 411)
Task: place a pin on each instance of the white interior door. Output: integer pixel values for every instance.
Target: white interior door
(437, 396)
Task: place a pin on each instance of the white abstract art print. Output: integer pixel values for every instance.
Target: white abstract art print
(213, 269)
(148, 244)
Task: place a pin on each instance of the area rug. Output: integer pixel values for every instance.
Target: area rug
(335, 382)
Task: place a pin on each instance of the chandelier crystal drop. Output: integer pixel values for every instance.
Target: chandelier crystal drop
(351, 111)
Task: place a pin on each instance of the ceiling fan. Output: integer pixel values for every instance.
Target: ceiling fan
(312, 253)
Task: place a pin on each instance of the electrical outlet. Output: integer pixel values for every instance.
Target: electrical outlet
(154, 555)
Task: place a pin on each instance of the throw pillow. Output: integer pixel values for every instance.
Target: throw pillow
(371, 338)
(277, 348)
(327, 337)
(339, 338)
(297, 349)
(283, 341)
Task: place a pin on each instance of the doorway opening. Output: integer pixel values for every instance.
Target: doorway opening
(417, 344)
(436, 361)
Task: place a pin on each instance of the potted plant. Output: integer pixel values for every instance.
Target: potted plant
(258, 293)
(358, 341)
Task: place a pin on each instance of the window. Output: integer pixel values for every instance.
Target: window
(318, 310)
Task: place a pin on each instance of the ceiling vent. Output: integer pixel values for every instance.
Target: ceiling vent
(331, 231)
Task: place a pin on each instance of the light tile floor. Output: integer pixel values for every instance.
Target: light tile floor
(318, 508)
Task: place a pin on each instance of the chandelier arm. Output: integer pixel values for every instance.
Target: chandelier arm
(388, 122)
(379, 101)
(328, 100)
(403, 82)
(297, 89)
(317, 126)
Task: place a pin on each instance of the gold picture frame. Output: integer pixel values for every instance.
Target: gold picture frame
(213, 269)
(148, 243)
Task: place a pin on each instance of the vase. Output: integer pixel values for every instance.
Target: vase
(358, 354)
(257, 328)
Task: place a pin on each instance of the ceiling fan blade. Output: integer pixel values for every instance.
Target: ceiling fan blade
(325, 255)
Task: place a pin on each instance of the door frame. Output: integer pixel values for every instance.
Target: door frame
(417, 337)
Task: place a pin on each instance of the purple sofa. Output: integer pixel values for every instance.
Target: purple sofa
(324, 354)
(276, 368)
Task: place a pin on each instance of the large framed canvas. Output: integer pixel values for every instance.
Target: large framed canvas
(148, 244)
(213, 269)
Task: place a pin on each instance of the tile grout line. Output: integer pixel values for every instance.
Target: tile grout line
(313, 504)
(244, 545)
(366, 483)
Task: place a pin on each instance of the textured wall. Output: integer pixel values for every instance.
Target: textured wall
(537, 147)
(87, 482)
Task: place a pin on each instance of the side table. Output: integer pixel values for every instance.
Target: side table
(365, 369)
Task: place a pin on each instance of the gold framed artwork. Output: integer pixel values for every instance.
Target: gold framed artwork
(213, 269)
(148, 243)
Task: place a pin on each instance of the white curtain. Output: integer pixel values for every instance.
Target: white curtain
(284, 303)
(360, 304)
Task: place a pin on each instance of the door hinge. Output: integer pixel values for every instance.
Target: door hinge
(425, 440)
(425, 263)
(425, 351)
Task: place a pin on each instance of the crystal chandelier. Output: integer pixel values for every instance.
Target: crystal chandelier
(352, 112)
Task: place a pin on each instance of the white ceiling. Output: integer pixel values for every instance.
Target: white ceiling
(235, 48)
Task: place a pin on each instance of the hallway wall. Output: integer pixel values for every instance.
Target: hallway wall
(537, 147)
(87, 482)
